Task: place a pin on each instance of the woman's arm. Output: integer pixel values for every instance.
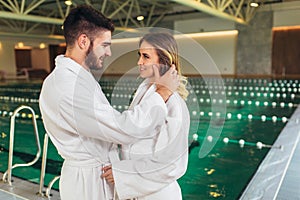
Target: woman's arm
(139, 177)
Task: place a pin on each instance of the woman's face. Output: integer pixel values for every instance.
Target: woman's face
(147, 58)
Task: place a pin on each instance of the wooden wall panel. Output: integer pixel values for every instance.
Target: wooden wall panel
(286, 51)
(55, 50)
(23, 58)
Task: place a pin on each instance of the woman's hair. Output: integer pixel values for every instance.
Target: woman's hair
(85, 20)
(167, 51)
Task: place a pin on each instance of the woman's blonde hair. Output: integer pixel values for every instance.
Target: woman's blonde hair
(167, 51)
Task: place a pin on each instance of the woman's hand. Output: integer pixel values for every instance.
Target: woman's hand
(107, 174)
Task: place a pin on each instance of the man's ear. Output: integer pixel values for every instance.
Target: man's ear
(83, 42)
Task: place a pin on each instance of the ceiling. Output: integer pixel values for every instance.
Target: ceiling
(44, 18)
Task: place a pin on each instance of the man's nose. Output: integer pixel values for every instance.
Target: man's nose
(108, 52)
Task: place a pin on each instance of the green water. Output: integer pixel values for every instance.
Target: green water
(222, 174)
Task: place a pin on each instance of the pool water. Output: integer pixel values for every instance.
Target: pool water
(253, 110)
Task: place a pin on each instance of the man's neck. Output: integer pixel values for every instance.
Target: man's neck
(77, 57)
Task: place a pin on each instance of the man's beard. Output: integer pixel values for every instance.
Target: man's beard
(92, 61)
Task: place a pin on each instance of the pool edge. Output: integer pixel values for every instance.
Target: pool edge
(267, 181)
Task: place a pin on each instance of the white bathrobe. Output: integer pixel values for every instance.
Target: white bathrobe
(83, 127)
(168, 150)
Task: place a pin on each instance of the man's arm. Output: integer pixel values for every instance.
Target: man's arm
(96, 119)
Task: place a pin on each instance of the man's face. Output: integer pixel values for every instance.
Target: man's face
(99, 49)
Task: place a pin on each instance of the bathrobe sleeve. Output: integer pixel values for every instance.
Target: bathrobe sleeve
(88, 111)
(143, 176)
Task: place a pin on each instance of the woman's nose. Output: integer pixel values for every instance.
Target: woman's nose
(140, 61)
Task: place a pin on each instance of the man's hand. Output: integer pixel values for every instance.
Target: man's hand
(107, 174)
(169, 80)
(166, 84)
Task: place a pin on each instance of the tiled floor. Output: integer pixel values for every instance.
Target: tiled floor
(290, 187)
(8, 196)
(23, 190)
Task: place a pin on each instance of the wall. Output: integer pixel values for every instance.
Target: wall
(221, 46)
(205, 53)
(7, 56)
(124, 56)
(255, 42)
(221, 49)
(254, 46)
(40, 59)
(286, 18)
(206, 24)
(286, 51)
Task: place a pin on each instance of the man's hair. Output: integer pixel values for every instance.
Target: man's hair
(85, 20)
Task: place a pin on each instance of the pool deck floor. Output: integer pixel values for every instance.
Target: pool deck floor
(23, 190)
(278, 176)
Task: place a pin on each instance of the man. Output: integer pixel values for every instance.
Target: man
(77, 116)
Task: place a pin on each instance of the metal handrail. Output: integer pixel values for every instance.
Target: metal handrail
(44, 163)
(43, 171)
(50, 186)
(7, 175)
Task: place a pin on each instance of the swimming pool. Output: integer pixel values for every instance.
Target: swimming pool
(256, 111)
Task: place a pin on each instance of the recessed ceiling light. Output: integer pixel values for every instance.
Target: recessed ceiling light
(20, 44)
(68, 3)
(140, 18)
(253, 4)
(42, 45)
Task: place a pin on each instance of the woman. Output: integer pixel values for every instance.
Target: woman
(169, 146)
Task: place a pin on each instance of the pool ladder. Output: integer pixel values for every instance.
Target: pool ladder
(7, 175)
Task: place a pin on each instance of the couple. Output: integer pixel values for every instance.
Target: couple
(86, 130)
